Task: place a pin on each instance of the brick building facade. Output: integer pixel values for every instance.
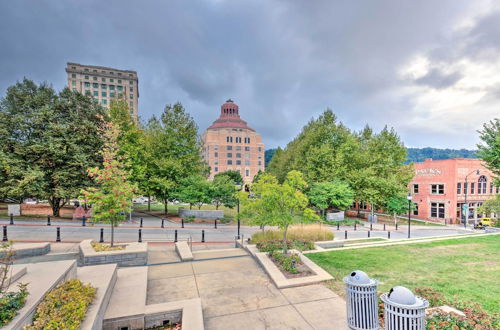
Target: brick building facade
(230, 144)
(439, 189)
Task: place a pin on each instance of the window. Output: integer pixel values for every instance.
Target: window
(437, 189)
(482, 184)
(104, 94)
(229, 139)
(95, 85)
(86, 77)
(247, 162)
(260, 163)
(87, 84)
(472, 186)
(415, 211)
(131, 82)
(131, 89)
(247, 172)
(238, 162)
(248, 142)
(415, 188)
(216, 169)
(131, 104)
(247, 148)
(95, 78)
(111, 72)
(104, 86)
(437, 210)
(238, 148)
(131, 96)
(229, 155)
(111, 87)
(86, 70)
(94, 71)
(216, 147)
(104, 101)
(111, 80)
(73, 75)
(216, 154)
(120, 88)
(87, 92)
(260, 149)
(119, 80)
(238, 155)
(229, 162)
(73, 67)
(96, 93)
(247, 155)
(111, 94)
(73, 83)
(229, 148)
(119, 73)
(459, 188)
(103, 79)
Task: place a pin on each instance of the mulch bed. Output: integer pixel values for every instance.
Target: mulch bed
(304, 271)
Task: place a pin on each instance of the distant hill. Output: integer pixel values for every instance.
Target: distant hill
(415, 155)
(420, 154)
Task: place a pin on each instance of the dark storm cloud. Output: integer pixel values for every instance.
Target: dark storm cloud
(283, 62)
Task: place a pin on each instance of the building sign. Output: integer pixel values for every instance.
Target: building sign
(428, 172)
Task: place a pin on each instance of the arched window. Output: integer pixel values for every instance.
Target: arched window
(482, 184)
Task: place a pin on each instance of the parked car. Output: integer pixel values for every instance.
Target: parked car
(140, 200)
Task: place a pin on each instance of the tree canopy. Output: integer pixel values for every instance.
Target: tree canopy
(235, 176)
(489, 149)
(333, 194)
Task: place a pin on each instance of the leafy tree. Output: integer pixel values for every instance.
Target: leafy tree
(397, 205)
(333, 194)
(194, 190)
(491, 206)
(222, 192)
(112, 197)
(235, 176)
(278, 204)
(173, 152)
(489, 150)
(47, 142)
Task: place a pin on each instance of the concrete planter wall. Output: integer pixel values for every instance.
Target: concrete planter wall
(335, 216)
(134, 254)
(202, 214)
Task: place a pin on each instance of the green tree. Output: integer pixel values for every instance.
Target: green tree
(235, 176)
(112, 198)
(222, 191)
(47, 142)
(489, 150)
(333, 194)
(491, 206)
(173, 152)
(194, 190)
(278, 204)
(397, 205)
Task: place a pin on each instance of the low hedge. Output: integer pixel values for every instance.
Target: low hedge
(64, 307)
(275, 244)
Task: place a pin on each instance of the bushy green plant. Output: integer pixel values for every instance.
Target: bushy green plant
(189, 219)
(11, 302)
(64, 307)
(287, 262)
(277, 244)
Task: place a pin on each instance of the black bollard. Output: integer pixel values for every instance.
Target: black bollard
(396, 226)
(84, 221)
(384, 226)
(11, 219)
(355, 226)
(5, 239)
(101, 239)
(369, 233)
(345, 236)
(140, 236)
(371, 226)
(175, 236)
(389, 235)
(215, 224)
(48, 220)
(58, 236)
(141, 223)
(338, 225)
(162, 223)
(203, 236)
(182, 222)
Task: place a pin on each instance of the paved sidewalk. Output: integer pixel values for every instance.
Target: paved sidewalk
(237, 294)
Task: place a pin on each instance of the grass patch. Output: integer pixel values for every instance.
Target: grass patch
(64, 307)
(467, 268)
(99, 247)
(309, 232)
(366, 240)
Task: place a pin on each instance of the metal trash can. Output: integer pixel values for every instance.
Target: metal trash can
(403, 310)
(361, 302)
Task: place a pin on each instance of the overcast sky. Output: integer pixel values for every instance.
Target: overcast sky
(430, 69)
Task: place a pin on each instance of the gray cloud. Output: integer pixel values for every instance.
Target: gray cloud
(282, 61)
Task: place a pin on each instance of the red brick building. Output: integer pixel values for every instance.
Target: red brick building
(440, 187)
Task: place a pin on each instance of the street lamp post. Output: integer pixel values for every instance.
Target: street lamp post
(465, 208)
(409, 197)
(238, 212)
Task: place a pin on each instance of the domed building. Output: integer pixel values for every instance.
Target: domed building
(230, 144)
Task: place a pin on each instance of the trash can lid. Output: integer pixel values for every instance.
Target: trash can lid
(358, 277)
(402, 295)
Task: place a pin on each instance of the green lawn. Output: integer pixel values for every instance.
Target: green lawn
(468, 268)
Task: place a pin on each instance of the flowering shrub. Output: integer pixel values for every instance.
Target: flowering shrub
(64, 307)
(287, 262)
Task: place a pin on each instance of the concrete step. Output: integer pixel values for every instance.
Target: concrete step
(102, 277)
(48, 257)
(219, 253)
(184, 251)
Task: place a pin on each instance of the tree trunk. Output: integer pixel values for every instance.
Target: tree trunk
(262, 228)
(56, 205)
(165, 205)
(285, 247)
(199, 206)
(216, 206)
(112, 233)
(359, 212)
(395, 218)
(149, 202)
(190, 206)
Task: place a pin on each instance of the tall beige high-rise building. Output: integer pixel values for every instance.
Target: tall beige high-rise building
(230, 144)
(105, 84)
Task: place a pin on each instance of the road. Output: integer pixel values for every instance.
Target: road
(33, 230)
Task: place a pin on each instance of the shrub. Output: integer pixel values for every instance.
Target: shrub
(277, 244)
(64, 307)
(189, 219)
(99, 247)
(307, 232)
(287, 262)
(11, 302)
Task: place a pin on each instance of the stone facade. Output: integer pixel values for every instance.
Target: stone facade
(439, 187)
(105, 84)
(134, 254)
(230, 144)
(202, 214)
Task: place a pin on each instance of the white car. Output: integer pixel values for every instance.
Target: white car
(140, 200)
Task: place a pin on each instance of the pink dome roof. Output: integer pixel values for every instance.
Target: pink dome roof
(230, 117)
